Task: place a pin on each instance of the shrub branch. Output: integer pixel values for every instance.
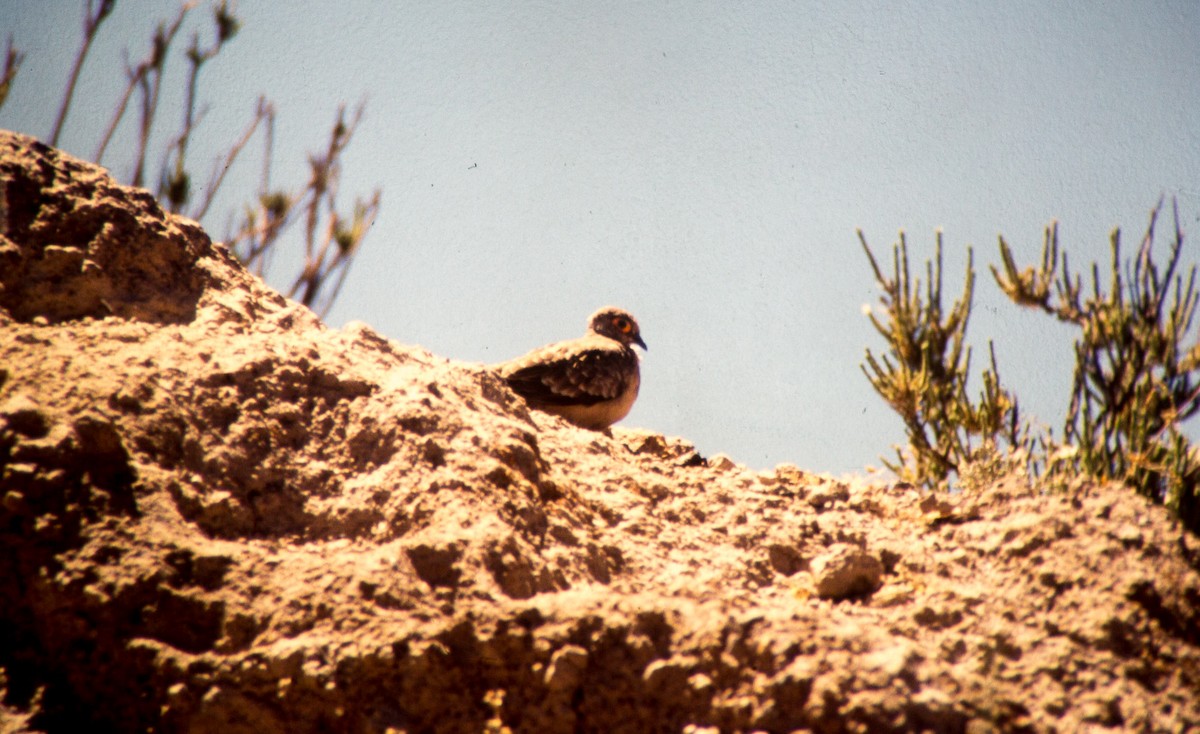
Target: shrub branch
(331, 238)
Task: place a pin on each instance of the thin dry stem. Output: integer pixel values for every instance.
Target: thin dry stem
(93, 16)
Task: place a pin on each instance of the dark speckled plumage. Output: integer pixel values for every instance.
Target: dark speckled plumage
(591, 381)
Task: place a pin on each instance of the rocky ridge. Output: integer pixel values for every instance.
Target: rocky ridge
(219, 515)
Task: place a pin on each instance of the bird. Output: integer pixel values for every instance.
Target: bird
(591, 381)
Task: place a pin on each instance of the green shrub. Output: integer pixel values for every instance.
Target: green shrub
(923, 377)
(1136, 379)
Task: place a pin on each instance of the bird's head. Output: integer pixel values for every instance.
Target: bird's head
(618, 324)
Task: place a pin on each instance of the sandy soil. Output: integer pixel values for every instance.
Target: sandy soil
(219, 515)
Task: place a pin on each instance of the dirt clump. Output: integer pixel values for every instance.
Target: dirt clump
(219, 515)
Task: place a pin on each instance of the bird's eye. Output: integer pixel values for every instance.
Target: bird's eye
(624, 325)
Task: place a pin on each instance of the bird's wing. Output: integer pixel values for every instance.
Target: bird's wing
(583, 372)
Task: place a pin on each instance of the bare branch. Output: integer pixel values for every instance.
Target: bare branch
(12, 64)
(93, 16)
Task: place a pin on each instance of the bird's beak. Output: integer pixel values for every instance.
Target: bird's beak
(638, 341)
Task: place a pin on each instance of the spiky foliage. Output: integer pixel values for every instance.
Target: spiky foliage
(1137, 372)
(1136, 376)
(924, 375)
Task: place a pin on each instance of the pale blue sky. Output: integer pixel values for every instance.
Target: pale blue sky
(704, 165)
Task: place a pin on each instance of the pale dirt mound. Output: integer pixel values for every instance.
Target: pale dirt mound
(218, 515)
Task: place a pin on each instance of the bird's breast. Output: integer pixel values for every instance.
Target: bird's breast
(603, 414)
